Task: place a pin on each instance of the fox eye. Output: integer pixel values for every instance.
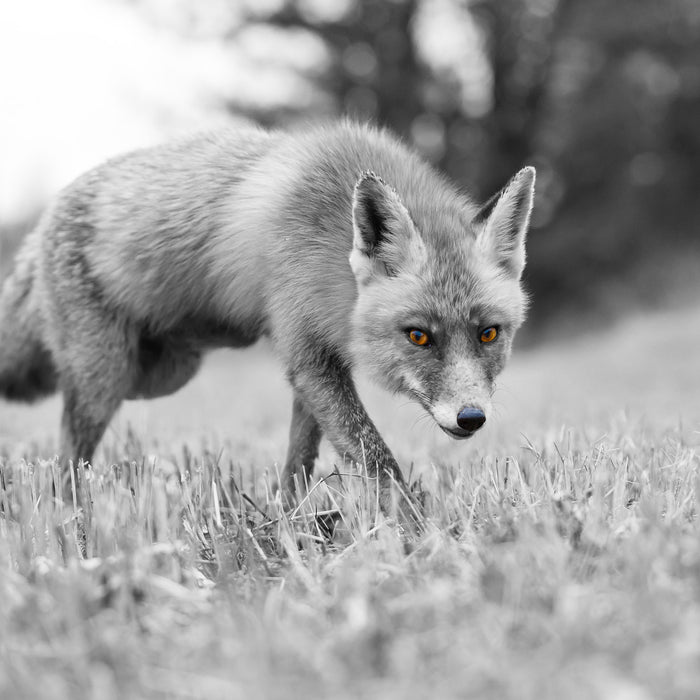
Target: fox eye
(488, 335)
(418, 337)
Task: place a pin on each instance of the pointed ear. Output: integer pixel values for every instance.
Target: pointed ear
(384, 235)
(501, 224)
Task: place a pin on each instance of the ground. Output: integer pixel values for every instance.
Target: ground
(560, 554)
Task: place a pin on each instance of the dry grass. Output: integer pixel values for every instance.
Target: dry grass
(562, 563)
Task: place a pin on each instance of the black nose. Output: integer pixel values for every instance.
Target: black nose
(471, 419)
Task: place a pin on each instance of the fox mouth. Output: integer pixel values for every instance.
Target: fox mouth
(457, 433)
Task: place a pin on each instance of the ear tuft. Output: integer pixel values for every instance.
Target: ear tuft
(501, 224)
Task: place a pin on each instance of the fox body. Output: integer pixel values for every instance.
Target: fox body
(338, 242)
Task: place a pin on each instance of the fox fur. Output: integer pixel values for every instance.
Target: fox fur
(334, 241)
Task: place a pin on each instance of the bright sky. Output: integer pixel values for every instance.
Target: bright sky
(81, 80)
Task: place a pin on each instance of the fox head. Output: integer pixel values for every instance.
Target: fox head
(437, 309)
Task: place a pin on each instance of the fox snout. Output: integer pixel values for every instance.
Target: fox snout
(467, 421)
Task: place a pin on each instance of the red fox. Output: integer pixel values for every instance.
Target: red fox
(337, 242)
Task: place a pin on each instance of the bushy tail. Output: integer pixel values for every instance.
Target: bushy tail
(27, 371)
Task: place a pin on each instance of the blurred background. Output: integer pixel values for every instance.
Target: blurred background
(602, 97)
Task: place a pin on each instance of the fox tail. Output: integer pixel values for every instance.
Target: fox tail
(27, 371)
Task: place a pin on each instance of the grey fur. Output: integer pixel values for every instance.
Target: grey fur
(147, 261)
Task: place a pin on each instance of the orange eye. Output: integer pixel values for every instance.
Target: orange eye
(489, 334)
(418, 337)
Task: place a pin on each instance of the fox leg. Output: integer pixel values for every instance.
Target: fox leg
(326, 387)
(94, 351)
(304, 438)
(83, 424)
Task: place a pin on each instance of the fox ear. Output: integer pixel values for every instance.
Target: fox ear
(384, 235)
(501, 223)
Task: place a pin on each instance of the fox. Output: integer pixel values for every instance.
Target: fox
(337, 242)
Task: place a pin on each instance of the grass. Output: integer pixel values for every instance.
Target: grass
(560, 556)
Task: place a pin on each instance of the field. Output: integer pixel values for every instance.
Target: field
(560, 555)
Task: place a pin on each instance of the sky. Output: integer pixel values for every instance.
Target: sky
(81, 80)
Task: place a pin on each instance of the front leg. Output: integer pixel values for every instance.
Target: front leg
(324, 384)
(304, 438)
